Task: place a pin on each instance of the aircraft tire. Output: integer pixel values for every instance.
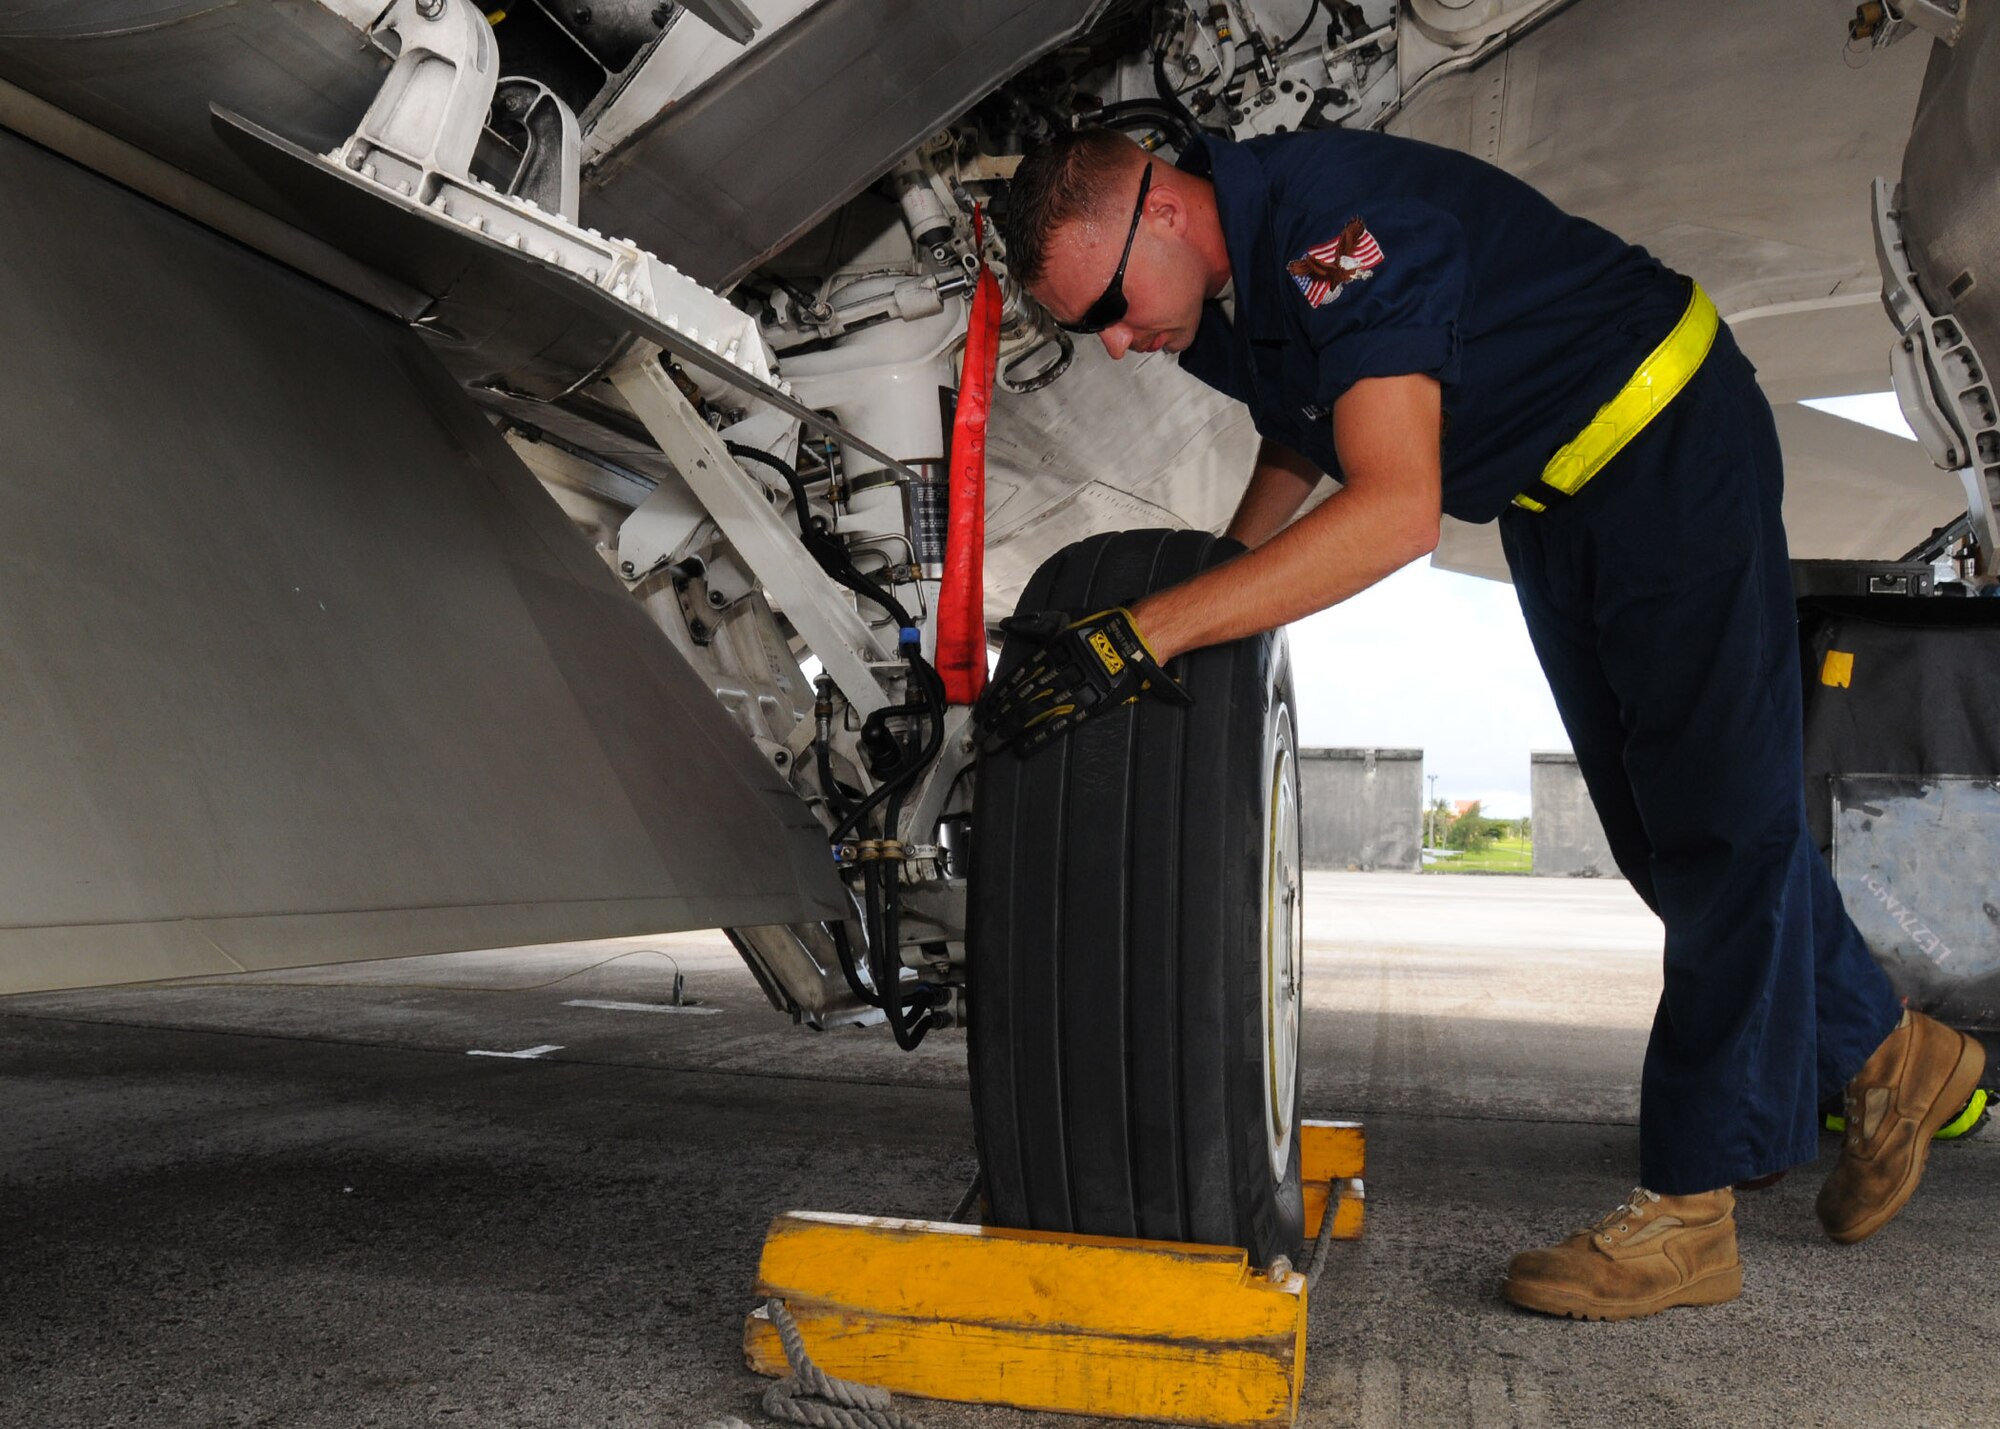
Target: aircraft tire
(1134, 950)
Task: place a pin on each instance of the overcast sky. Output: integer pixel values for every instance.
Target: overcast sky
(1433, 661)
(1441, 662)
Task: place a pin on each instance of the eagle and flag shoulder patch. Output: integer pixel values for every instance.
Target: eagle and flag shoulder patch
(1327, 268)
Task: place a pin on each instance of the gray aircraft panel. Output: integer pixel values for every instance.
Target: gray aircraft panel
(728, 176)
(297, 662)
(716, 183)
(147, 72)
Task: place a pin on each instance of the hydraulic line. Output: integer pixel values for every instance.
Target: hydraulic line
(871, 924)
(834, 560)
(825, 549)
(881, 878)
(784, 469)
(836, 798)
(908, 1033)
(883, 881)
(934, 706)
(850, 968)
(846, 575)
(1312, 13)
(1128, 113)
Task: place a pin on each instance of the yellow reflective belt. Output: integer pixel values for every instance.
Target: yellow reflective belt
(1660, 377)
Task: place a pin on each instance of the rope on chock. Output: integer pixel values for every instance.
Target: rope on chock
(812, 1397)
(1316, 1262)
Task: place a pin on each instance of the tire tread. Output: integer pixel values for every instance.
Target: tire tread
(1108, 1034)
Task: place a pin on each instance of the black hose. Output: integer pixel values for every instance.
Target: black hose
(850, 969)
(831, 555)
(1144, 113)
(785, 469)
(882, 887)
(885, 903)
(882, 894)
(835, 800)
(1312, 13)
(871, 927)
(933, 707)
(846, 575)
(834, 560)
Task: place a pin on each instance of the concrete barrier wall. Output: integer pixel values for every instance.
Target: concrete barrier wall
(1362, 808)
(1569, 842)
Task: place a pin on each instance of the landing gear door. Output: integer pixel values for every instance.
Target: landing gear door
(298, 664)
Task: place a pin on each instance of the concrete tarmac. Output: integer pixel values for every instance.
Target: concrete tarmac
(294, 1199)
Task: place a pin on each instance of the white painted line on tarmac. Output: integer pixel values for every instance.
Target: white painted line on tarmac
(525, 1054)
(603, 1006)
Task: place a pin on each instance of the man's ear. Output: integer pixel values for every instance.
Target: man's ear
(1165, 205)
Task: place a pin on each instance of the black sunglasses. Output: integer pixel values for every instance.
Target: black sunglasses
(1110, 304)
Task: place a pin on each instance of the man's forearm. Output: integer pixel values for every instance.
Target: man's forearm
(1279, 485)
(1337, 551)
(1387, 515)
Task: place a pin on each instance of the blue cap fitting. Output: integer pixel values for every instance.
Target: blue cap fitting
(909, 635)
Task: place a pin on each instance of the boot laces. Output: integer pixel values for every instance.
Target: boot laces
(1633, 1208)
(1854, 1096)
(1854, 1105)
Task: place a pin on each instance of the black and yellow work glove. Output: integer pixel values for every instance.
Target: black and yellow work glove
(1082, 668)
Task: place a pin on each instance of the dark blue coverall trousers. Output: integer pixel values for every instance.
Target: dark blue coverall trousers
(1658, 596)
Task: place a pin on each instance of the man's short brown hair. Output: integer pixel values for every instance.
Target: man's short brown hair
(1070, 177)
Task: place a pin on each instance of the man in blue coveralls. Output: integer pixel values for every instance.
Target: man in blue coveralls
(1435, 335)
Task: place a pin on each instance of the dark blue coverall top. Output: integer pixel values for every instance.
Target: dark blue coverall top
(1658, 597)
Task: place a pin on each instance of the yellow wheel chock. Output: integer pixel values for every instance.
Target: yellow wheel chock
(1132, 1329)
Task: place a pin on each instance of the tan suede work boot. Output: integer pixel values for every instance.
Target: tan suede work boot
(1917, 1080)
(1652, 1253)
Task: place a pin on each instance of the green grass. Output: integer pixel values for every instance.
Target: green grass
(1500, 856)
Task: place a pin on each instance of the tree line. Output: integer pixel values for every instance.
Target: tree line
(1471, 829)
